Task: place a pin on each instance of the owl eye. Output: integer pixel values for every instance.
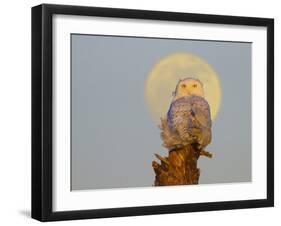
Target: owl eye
(194, 85)
(183, 85)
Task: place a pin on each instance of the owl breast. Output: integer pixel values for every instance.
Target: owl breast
(189, 120)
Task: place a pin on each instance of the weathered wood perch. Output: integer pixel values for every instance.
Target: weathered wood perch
(179, 168)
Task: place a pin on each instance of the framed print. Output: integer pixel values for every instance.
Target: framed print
(145, 112)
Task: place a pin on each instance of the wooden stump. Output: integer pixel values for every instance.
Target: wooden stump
(179, 168)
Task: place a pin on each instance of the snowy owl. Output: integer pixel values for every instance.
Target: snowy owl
(188, 121)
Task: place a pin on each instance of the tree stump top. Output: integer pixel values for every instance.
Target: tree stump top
(179, 168)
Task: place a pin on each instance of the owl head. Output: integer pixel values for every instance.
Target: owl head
(189, 87)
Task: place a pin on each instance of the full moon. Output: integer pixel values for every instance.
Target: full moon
(165, 74)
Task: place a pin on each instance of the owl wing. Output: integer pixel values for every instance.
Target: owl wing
(200, 110)
(179, 119)
(200, 128)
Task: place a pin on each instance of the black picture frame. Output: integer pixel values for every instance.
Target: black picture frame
(42, 111)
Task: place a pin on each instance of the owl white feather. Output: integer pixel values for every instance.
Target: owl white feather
(188, 120)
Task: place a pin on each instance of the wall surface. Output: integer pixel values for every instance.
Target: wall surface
(15, 112)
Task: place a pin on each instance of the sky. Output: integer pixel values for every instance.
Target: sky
(114, 137)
